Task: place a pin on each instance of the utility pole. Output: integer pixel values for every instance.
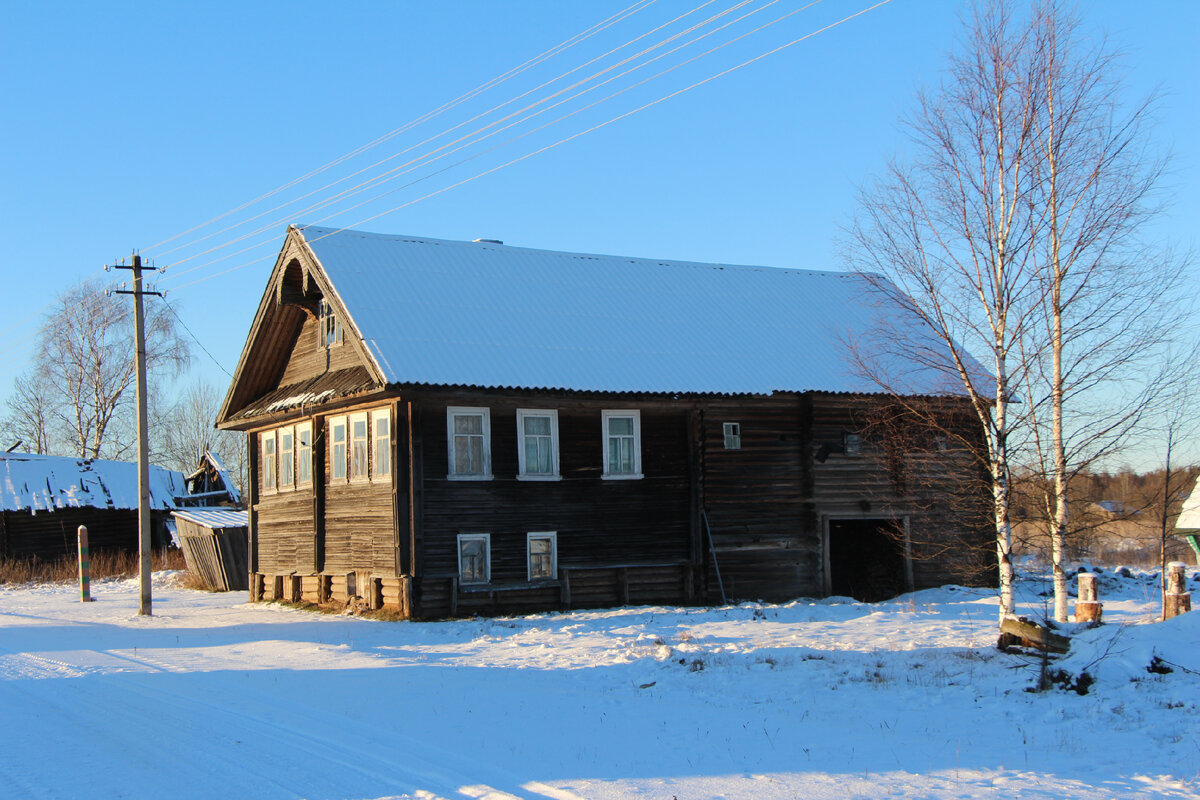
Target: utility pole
(143, 447)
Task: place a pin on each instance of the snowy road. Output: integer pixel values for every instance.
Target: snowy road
(214, 698)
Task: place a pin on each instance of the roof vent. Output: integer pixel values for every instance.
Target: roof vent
(489, 241)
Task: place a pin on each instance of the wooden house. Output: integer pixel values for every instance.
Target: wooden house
(465, 427)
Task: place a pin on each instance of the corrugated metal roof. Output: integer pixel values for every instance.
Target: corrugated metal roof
(212, 517)
(480, 314)
(35, 483)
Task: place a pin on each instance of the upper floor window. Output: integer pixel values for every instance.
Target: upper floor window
(537, 444)
(733, 435)
(287, 457)
(381, 437)
(622, 443)
(329, 327)
(358, 447)
(304, 453)
(469, 436)
(268, 461)
(337, 452)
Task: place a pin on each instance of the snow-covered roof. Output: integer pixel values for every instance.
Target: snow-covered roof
(438, 312)
(213, 517)
(44, 483)
(1189, 517)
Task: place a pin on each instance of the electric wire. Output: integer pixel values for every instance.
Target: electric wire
(573, 136)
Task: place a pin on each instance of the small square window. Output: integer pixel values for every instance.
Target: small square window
(304, 453)
(733, 435)
(474, 558)
(358, 447)
(537, 444)
(542, 549)
(622, 444)
(381, 438)
(469, 439)
(338, 449)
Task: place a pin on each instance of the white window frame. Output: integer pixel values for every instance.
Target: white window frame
(304, 454)
(365, 474)
(732, 432)
(329, 327)
(606, 417)
(486, 414)
(334, 461)
(523, 473)
(486, 538)
(290, 464)
(552, 537)
(374, 439)
(270, 476)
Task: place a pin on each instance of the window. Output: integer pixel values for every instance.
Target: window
(733, 435)
(268, 461)
(337, 459)
(469, 433)
(622, 444)
(537, 444)
(543, 555)
(381, 437)
(358, 447)
(852, 444)
(329, 327)
(474, 558)
(304, 453)
(287, 457)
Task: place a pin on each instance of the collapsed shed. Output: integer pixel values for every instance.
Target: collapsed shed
(214, 545)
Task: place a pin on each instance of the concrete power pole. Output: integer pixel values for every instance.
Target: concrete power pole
(143, 446)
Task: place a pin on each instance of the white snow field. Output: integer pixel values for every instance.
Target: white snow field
(215, 698)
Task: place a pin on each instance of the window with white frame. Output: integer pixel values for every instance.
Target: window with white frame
(469, 435)
(381, 443)
(329, 327)
(359, 447)
(542, 550)
(474, 558)
(622, 443)
(537, 444)
(337, 449)
(268, 461)
(304, 453)
(287, 457)
(733, 435)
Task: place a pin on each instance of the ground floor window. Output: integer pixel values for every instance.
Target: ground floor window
(542, 550)
(474, 557)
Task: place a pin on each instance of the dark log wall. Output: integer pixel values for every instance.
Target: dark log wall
(52, 534)
(767, 545)
(599, 523)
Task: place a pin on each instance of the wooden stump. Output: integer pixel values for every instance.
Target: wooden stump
(1088, 607)
(1177, 600)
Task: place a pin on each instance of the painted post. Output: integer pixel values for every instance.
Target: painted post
(1177, 599)
(1088, 607)
(85, 567)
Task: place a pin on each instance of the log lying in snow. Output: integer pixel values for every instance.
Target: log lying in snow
(1019, 631)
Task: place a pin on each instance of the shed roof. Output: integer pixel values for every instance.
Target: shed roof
(213, 518)
(480, 314)
(36, 483)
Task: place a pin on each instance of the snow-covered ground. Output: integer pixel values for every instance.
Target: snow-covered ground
(215, 698)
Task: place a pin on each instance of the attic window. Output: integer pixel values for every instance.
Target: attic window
(329, 327)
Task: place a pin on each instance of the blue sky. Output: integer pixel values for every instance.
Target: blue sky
(129, 123)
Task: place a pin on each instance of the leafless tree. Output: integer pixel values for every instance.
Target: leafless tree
(28, 418)
(85, 367)
(949, 238)
(188, 432)
(1097, 355)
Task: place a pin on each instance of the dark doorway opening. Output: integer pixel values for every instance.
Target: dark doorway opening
(866, 559)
